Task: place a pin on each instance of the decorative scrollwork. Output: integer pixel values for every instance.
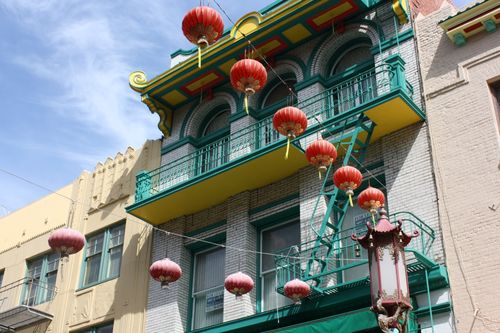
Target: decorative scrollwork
(137, 80)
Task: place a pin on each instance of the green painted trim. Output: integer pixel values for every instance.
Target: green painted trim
(93, 284)
(258, 282)
(271, 6)
(490, 25)
(179, 143)
(272, 85)
(190, 292)
(205, 229)
(104, 256)
(202, 245)
(459, 39)
(350, 72)
(205, 140)
(273, 204)
(296, 60)
(403, 37)
(277, 218)
(93, 329)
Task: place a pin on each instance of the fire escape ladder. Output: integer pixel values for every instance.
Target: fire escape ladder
(354, 143)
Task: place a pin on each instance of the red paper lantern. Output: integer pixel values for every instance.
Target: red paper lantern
(290, 122)
(371, 199)
(248, 76)
(238, 284)
(202, 26)
(165, 271)
(347, 179)
(321, 154)
(66, 241)
(296, 290)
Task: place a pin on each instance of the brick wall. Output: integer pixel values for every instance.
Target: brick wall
(466, 154)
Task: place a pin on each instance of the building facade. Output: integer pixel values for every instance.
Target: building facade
(225, 200)
(91, 292)
(460, 62)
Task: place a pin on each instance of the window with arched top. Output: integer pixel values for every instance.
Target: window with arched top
(279, 92)
(216, 122)
(352, 87)
(215, 150)
(354, 55)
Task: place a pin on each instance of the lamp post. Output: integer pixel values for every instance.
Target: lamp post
(389, 289)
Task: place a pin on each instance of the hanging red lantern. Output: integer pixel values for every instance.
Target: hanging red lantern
(238, 284)
(248, 76)
(165, 271)
(371, 199)
(202, 26)
(321, 154)
(290, 122)
(66, 241)
(347, 179)
(296, 290)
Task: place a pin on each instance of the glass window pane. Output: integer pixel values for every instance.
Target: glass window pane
(105, 329)
(116, 236)
(94, 244)
(208, 294)
(209, 269)
(1, 278)
(50, 287)
(115, 258)
(269, 295)
(35, 268)
(279, 92)
(92, 269)
(276, 239)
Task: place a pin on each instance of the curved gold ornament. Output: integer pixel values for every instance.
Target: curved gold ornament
(137, 80)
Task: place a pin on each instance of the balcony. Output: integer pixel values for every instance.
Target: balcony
(347, 268)
(253, 156)
(24, 303)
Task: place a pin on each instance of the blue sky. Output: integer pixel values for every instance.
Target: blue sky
(65, 103)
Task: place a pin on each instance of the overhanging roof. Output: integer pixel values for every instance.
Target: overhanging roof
(21, 316)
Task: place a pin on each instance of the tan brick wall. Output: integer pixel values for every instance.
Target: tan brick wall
(466, 154)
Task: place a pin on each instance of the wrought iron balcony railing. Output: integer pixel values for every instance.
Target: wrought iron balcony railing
(332, 106)
(348, 267)
(28, 292)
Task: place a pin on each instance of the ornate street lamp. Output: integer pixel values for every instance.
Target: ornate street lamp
(388, 275)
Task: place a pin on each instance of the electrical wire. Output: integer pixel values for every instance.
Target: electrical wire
(169, 233)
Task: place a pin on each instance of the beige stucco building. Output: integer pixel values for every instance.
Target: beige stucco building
(460, 64)
(100, 289)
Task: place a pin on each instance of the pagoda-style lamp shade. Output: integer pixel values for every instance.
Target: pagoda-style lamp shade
(238, 284)
(66, 241)
(165, 271)
(371, 199)
(202, 26)
(296, 290)
(389, 288)
(321, 154)
(248, 76)
(347, 179)
(290, 122)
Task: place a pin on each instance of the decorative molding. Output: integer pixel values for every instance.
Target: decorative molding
(165, 114)
(137, 81)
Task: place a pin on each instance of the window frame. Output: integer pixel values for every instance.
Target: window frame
(260, 273)
(2, 275)
(93, 329)
(105, 262)
(42, 294)
(192, 301)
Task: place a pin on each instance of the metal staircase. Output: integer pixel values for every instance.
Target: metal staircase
(354, 142)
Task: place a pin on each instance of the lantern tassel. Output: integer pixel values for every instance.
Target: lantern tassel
(199, 56)
(350, 201)
(373, 219)
(319, 174)
(246, 103)
(287, 148)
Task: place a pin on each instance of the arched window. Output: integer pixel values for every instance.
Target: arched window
(352, 56)
(216, 122)
(215, 152)
(356, 90)
(279, 92)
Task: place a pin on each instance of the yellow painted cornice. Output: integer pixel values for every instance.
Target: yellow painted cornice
(165, 114)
